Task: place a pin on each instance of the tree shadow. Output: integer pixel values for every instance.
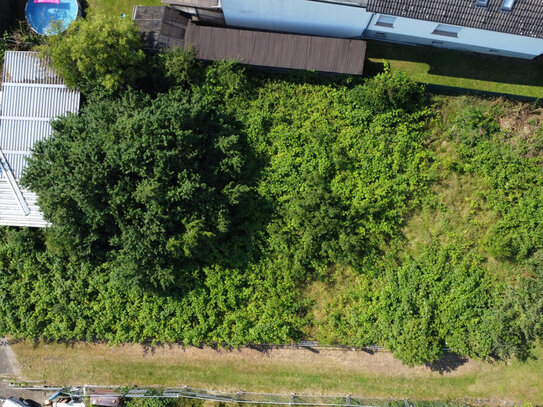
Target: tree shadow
(448, 363)
(83, 6)
(462, 64)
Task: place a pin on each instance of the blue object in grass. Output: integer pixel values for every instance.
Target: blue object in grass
(51, 18)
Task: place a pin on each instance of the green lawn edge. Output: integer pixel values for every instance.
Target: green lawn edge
(465, 70)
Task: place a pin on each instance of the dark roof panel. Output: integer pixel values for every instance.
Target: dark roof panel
(526, 17)
(278, 50)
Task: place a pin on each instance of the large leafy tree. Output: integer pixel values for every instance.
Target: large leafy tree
(98, 51)
(150, 185)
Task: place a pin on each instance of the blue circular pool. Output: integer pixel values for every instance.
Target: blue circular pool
(47, 17)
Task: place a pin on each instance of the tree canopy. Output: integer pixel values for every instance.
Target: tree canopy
(152, 183)
(97, 51)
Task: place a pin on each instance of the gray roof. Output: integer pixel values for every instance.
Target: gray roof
(277, 50)
(32, 95)
(525, 19)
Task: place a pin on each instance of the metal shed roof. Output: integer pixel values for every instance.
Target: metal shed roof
(32, 95)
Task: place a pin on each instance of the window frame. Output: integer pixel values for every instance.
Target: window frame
(347, 3)
(447, 30)
(385, 20)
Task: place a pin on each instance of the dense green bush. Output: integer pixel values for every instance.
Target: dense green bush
(516, 182)
(97, 52)
(391, 92)
(150, 185)
(435, 301)
(202, 211)
(342, 176)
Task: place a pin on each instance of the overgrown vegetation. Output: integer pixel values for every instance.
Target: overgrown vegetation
(99, 51)
(197, 203)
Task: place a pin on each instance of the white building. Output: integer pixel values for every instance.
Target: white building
(500, 27)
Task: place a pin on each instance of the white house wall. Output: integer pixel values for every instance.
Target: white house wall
(297, 16)
(412, 31)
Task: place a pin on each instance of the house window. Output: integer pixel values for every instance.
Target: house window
(447, 30)
(385, 21)
(508, 5)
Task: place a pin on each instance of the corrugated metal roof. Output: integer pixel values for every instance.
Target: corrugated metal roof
(32, 95)
(26, 67)
(37, 102)
(10, 211)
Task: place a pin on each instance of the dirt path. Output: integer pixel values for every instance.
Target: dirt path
(375, 363)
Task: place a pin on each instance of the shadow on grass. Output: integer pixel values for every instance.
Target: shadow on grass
(457, 64)
(449, 362)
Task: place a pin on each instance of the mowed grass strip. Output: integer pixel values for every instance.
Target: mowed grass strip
(467, 70)
(120, 7)
(301, 371)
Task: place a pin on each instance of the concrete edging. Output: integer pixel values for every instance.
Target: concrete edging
(9, 357)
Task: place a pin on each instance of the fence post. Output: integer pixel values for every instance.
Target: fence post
(292, 399)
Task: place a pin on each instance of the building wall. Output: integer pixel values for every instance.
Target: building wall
(420, 32)
(318, 18)
(297, 16)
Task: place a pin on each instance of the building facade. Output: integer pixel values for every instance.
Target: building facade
(511, 28)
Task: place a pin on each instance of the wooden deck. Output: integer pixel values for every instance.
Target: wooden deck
(277, 50)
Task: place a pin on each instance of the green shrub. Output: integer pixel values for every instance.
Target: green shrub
(388, 91)
(97, 52)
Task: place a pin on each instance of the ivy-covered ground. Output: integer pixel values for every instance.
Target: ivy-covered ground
(201, 203)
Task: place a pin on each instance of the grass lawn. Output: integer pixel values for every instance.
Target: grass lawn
(460, 69)
(285, 371)
(119, 7)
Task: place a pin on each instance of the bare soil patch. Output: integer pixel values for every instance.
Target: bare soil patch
(375, 363)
